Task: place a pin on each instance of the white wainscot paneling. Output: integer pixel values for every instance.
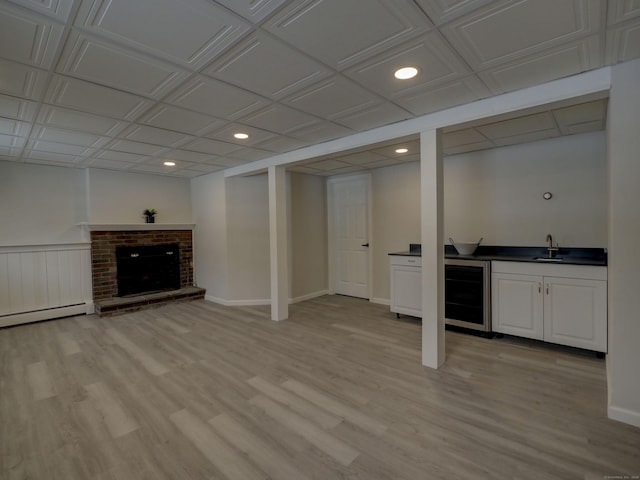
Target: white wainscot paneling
(44, 281)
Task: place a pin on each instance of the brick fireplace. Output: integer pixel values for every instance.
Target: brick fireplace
(104, 267)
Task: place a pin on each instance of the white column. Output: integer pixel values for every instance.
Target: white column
(431, 181)
(278, 243)
(623, 145)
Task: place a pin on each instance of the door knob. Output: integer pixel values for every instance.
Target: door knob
(364, 245)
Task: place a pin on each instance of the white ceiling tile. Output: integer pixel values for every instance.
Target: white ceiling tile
(430, 54)
(158, 27)
(304, 169)
(442, 11)
(158, 169)
(518, 126)
(330, 164)
(256, 135)
(110, 164)
(623, 42)
(253, 10)
(267, 66)
(11, 141)
(321, 132)
(332, 98)
(90, 59)
(281, 144)
(21, 81)
(454, 93)
(53, 156)
(14, 127)
(119, 156)
(342, 33)
(216, 98)
(51, 134)
(204, 168)
(16, 108)
(91, 98)
(135, 147)
(376, 116)
(214, 147)
(527, 137)
(413, 146)
(584, 112)
(383, 163)
(187, 155)
(622, 10)
(504, 30)
(58, 9)
(250, 154)
(463, 137)
(62, 148)
(227, 162)
(83, 122)
(568, 59)
(584, 127)
(280, 119)
(361, 158)
(26, 37)
(469, 147)
(8, 152)
(181, 120)
(341, 171)
(154, 136)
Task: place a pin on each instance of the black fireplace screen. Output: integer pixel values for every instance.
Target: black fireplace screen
(146, 269)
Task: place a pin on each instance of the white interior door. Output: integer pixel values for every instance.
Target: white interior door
(349, 210)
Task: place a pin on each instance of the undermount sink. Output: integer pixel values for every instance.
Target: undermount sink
(548, 259)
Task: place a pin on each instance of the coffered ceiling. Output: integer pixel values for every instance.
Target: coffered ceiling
(128, 85)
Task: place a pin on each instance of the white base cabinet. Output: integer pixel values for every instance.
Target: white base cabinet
(563, 304)
(406, 285)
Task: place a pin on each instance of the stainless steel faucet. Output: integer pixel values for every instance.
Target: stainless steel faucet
(551, 249)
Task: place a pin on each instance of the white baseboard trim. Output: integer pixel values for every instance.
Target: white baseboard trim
(309, 296)
(624, 415)
(381, 301)
(237, 303)
(47, 314)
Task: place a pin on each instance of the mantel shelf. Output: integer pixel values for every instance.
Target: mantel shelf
(116, 227)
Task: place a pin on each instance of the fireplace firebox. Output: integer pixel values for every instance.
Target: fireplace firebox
(145, 269)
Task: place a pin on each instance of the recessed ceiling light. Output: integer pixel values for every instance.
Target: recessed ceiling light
(170, 164)
(406, 73)
(402, 150)
(241, 136)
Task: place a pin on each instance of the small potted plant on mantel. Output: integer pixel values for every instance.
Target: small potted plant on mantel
(150, 215)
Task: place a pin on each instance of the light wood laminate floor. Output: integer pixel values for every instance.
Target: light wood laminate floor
(201, 391)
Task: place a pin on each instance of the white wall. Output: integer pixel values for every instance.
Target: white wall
(40, 204)
(624, 235)
(497, 193)
(121, 197)
(208, 197)
(249, 274)
(396, 219)
(308, 227)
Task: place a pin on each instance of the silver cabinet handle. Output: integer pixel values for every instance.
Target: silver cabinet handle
(539, 287)
(547, 288)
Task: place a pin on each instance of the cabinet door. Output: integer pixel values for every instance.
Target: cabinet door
(517, 305)
(406, 290)
(576, 313)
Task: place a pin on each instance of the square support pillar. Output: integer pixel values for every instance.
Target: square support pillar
(432, 208)
(278, 243)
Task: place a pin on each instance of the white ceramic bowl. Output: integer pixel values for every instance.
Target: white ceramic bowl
(465, 248)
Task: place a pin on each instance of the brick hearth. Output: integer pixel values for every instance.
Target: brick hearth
(104, 269)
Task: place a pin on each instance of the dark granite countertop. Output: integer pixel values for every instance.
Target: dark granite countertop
(570, 256)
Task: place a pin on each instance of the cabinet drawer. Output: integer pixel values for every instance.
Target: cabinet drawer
(409, 261)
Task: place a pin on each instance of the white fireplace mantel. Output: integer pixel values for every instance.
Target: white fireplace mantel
(118, 227)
